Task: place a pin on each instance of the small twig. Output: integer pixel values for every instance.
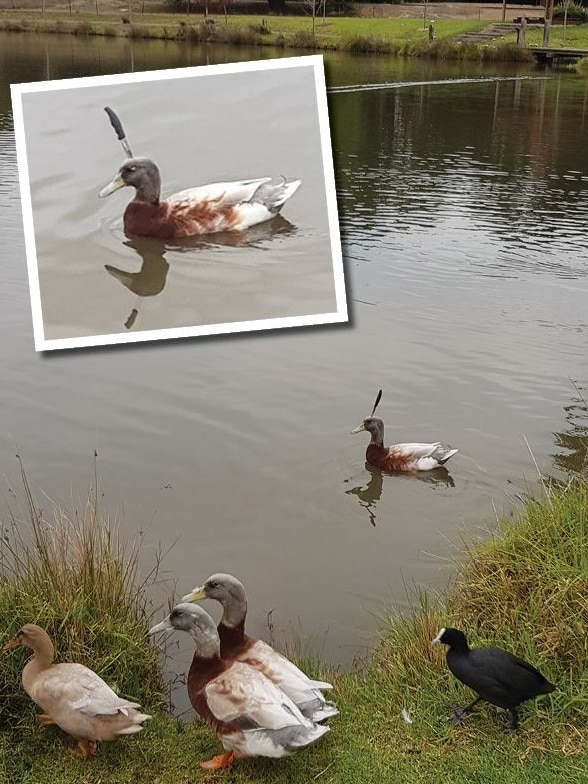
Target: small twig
(324, 770)
(540, 475)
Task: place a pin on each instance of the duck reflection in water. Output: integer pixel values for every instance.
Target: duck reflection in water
(368, 495)
(151, 278)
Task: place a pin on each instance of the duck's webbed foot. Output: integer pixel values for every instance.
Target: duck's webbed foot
(220, 761)
(84, 749)
(44, 719)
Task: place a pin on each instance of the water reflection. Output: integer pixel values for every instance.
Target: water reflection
(150, 279)
(368, 495)
(574, 440)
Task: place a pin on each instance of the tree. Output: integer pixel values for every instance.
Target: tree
(315, 8)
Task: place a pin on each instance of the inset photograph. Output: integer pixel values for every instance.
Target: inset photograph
(167, 204)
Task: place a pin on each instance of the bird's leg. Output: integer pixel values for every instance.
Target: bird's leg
(220, 761)
(460, 713)
(513, 722)
(44, 719)
(84, 749)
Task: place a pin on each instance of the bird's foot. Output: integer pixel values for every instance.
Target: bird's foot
(457, 716)
(220, 761)
(84, 749)
(44, 719)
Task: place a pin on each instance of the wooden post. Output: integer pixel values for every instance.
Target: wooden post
(504, 10)
(521, 30)
(548, 17)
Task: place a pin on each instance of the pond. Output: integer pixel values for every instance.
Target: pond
(462, 193)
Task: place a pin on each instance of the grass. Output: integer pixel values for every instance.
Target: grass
(524, 588)
(338, 33)
(400, 36)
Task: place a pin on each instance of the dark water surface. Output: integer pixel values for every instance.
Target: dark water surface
(463, 209)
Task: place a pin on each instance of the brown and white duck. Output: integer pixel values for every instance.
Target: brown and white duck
(400, 457)
(206, 209)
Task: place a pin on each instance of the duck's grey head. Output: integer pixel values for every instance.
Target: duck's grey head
(140, 173)
(374, 426)
(227, 590)
(191, 618)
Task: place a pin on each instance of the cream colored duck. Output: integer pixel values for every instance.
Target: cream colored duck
(73, 696)
(400, 457)
(250, 714)
(238, 646)
(206, 209)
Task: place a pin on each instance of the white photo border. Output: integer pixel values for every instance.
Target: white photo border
(340, 315)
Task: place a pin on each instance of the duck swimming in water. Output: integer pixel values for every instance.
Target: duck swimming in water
(206, 209)
(400, 457)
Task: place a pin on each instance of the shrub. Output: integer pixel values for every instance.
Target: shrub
(83, 28)
(262, 28)
(576, 13)
(367, 43)
(302, 39)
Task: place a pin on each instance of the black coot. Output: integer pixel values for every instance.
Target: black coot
(495, 675)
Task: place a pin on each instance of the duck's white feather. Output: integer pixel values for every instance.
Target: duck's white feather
(291, 679)
(81, 690)
(242, 691)
(424, 457)
(224, 194)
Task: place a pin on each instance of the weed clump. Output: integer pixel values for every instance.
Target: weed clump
(302, 39)
(83, 28)
(367, 44)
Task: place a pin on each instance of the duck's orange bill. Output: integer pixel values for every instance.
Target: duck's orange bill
(11, 644)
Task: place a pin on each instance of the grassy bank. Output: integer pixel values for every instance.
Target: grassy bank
(526, 588)
(406, 37)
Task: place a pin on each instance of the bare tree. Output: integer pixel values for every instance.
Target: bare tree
(315, 8)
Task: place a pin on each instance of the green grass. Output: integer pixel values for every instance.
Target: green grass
(396, 35)
(354, 34)
(524, 588)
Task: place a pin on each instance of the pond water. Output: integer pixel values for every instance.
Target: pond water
(462, 195)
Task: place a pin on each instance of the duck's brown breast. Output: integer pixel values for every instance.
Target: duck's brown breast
(385, 458)
(175, 220)
(202, 672)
